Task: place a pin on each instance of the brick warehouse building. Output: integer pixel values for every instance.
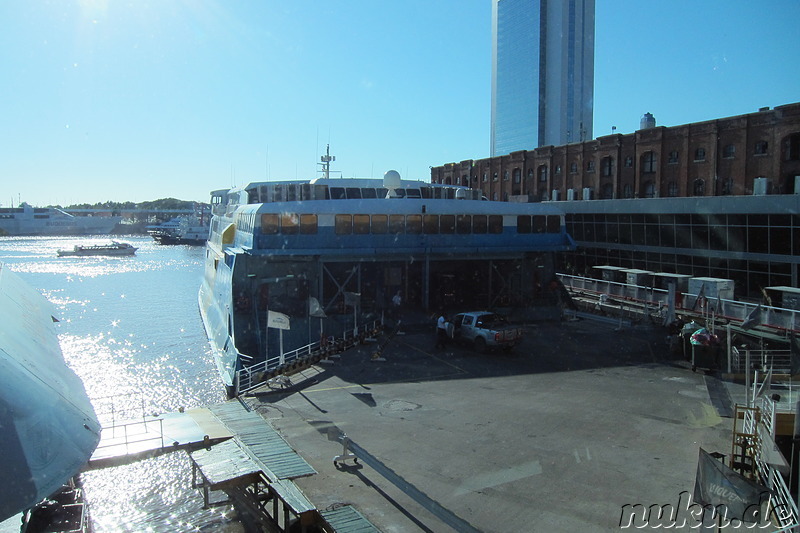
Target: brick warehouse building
(716, 198)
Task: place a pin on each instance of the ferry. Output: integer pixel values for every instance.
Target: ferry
(180, 230)
(26, 220)
(292, 263)
(113, 249)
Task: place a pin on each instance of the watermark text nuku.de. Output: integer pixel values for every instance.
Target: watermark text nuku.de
(694, 515)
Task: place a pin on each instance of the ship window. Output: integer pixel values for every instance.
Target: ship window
(305, 192)
(321, 192)
(308, 224)
(361, 224)
(539, 223)
(368, 192)
(382, 192)
(291, 193)
(252, 196)
(426, 192)
(479, 224)
(397, 223)
(353, 193)
(430, 223)
(463, 224)
(413, 193)
(344, 223)
(269, 224)
(495, 224)
(380, 223)
(414, 224)
(553, 223)
(437, 192)
(277, 193)
(400, 193)
(523, 224)
(447, 224)
(290, 223)
(337, 193)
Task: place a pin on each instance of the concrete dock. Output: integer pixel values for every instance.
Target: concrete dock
(577, 422)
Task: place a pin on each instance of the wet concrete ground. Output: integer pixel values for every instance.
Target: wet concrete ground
(578, 421)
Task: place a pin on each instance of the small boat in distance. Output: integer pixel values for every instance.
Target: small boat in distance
(113, 249)
(189, 230)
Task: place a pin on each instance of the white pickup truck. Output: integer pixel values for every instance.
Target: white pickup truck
(484, 329)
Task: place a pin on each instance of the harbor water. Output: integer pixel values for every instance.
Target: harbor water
(131, 330)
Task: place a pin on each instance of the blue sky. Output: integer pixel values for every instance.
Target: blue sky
(134, 100)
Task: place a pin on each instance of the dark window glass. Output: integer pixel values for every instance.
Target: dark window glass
(308, 224)
(447, 224)
(524, 224)
(464, 224)
(368, 192)
(553, 223)
(270, 224)
(479, 224)
(414, 224)
(495, 224)
(337, 193)
(361, 224)
(397, 224)
(539, 223)
(290, 224)
(344, 224)
(430, 223)
(380, 224)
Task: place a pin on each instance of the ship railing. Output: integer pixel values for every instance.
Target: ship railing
(252, 376)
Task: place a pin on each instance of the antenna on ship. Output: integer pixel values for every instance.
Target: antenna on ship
(326, 162)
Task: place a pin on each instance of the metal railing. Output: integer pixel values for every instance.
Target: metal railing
(780, 320)
(250, 377)
(124, 421)
(783, 504)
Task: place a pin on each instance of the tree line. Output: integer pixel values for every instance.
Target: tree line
(154, 205)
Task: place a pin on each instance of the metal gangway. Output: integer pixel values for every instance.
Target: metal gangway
(288, 363)
(654, 302)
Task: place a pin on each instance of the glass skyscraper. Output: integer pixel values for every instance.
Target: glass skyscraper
(542, 73)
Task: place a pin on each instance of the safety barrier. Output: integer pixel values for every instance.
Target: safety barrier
(779, 320)
(250, 377)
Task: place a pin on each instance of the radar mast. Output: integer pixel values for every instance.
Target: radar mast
(326, 162)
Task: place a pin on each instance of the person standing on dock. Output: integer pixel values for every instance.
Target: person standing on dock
(441, 331)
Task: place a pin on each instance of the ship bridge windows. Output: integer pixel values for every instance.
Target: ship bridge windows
(413, 193)
(353, 193)
(368, 192)
(338, 193)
